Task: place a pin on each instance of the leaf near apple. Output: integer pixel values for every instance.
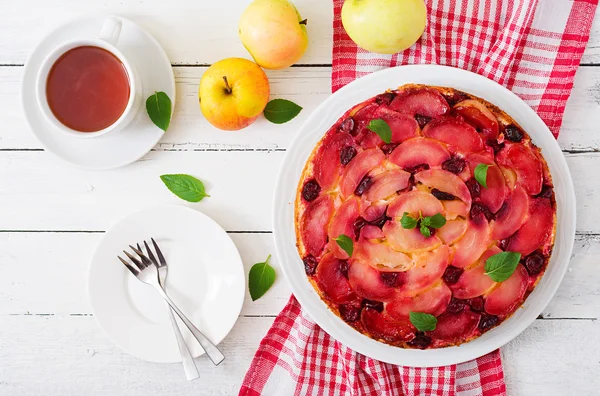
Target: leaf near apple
(384, 26)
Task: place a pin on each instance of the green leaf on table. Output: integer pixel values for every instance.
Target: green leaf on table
(381, 128)
(280, 111)
(436, 221)
(185, 187)
(260, 279)
(481, 174)
(501, 266)
(423, 321)
(345, 243)
(159, 107)
(408, 222)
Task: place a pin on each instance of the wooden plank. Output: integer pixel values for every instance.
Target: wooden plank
(70, 355)
(44, 194)
(307, 86)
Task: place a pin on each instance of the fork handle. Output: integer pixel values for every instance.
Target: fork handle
(211, 350)
(189, 367)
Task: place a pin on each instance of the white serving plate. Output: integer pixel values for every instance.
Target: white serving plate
(313, 130)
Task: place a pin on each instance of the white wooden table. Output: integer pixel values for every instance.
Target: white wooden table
(53, 215)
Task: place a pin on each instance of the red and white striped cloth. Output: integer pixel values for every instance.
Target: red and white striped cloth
(532, 47)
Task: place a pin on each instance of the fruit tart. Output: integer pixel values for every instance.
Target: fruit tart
(425, 216)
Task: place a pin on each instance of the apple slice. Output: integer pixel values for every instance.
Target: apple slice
(473, 243)
(419, 151)
(508, 294)
(494, 195)
(342, 223)
(386, 184)
(372, 232)
(474, 282)
(456, 327)
(454, 132)
(429, 267)
(368, 283)
(381, 326)
(414, 201)
(536, 230)
(432, 301)
(512, 215)
(381, 256)
(445, 181)
(374, 211)
(455, 208)
(327, 160)
(525, 164)
(478, 115)
(332, 281)
(358, 168)
(422, 101)
(408, 241)
(314, 224)
(403, 126)
(452, 231)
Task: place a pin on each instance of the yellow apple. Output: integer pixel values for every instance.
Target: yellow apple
(233, 92)
(274, 33)
(384, 26)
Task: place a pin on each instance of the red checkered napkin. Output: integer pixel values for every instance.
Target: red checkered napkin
(532, 47)
(298, 358)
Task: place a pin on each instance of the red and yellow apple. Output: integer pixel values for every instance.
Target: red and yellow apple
(274, 33)
(384, 26)
(233, 93)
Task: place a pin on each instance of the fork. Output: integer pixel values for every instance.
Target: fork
(189, 367)
(148, 273)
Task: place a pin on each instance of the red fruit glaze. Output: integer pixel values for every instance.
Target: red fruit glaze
(358, 168)
(525, 164)
(454, 133)
(456, 327)
(505, 297)
(327, 160)
(314, 226)
(536, 230)
(432, 301)
(419, 151)
(332, 281)
(512, 215)
(342, 223)
(427, 102)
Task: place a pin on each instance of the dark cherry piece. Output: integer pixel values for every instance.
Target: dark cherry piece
(503, 244)
(455, 306)
(344, 268)
(359, 223)
(452, 274)
(477, 304)
(417, 168)
(546, 192)
(385, 98)
(454, 165)
(493, 143)
(534, 263)
(349, 312)
(311, 190)
(442, 196)
(474, 188)
(376, 305)
(513, 134)
(346, 154)
(364, 185)
(455, 97)
(380, 221)
(389, 278)
(487, 322)
(347, 125)
(420, 341)
(310, 264)
(422, 120)
(388, 148)
(478, 208)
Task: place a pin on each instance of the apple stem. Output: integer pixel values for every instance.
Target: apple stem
(227, 86)
(303, 22)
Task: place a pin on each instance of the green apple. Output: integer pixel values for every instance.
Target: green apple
(384, 26)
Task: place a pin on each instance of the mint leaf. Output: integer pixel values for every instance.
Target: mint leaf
(425, 230)
(260, 279)
(423, 321)
(436, 221)
(408, 222)
(501, 266)
(381, 128)
(345, 243)
(480, 173)
(158, 106)
(280, 111)
(185, 187)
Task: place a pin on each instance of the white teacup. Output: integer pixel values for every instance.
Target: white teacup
(106, 40)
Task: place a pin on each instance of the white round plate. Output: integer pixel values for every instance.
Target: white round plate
(205, 280)
(117, 148)
(325, 116)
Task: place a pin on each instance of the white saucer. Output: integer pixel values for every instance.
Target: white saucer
(113, 149)
(206, 280)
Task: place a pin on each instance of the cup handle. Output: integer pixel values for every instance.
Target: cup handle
(111, 30)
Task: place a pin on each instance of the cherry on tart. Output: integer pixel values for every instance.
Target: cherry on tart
(425, 217)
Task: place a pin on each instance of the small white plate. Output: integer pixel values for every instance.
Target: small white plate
(325, 116)
(116, 149)
(205, 280)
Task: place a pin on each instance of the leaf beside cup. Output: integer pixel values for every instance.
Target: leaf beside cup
(159, 108)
